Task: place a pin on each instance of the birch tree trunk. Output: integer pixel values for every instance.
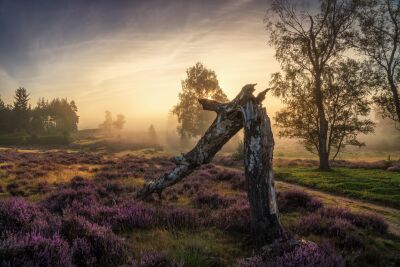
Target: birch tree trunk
(258, 147)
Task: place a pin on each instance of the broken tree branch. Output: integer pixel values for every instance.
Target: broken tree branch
(212, 105)
(228, 122)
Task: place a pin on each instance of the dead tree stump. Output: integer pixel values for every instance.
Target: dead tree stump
(244, 111)
(258, 151)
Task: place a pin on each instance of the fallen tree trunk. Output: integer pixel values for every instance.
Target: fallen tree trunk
(228, 122)
(245, 110)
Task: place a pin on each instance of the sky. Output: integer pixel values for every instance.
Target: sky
(129, 57)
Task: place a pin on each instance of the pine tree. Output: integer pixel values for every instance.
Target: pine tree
(21, 109)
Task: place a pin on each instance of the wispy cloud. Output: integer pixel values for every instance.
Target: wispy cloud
(131, 58)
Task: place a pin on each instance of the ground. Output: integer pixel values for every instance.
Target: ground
(203, 220)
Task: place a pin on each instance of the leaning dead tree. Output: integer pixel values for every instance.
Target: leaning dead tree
(244, 111)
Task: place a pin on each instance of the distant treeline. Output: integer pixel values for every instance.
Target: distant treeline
(47, 122)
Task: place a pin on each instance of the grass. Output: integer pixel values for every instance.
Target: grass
(371, 185)
(207, 247)
(294, 150)
(60, 175)
(64, 175)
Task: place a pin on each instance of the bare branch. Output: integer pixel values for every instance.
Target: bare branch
(261, 96)
(212, 105)
(228, 122)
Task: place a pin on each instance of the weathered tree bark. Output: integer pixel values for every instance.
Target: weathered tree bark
(227, 123)
(323, 126)
(259, 144)
(396, 99)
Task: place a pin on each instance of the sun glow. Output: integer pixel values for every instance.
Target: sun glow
(137, 71)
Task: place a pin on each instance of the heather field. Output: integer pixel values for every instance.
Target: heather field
(73, 208)
(230, 133)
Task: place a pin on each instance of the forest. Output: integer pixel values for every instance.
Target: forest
(47, 123)
(300, 171)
